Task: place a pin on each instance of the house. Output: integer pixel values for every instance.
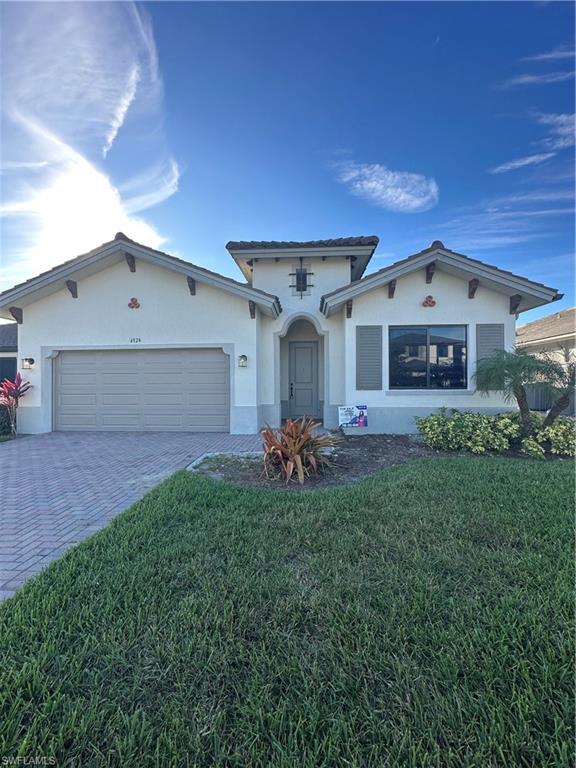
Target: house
(8, 350)
(126, 337)
(555, 337)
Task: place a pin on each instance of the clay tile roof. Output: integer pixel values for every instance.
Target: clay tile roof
(8, 337)
(339, 242)
(559, 324)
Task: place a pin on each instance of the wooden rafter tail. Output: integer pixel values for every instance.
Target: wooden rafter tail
(17, 314)
(515, 303)
(131, 261)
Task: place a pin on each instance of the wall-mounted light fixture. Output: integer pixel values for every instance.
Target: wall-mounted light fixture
(27, 363)
(242, 361)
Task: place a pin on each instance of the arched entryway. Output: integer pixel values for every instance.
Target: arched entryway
(302, 371)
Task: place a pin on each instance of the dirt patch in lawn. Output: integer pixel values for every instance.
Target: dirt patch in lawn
(355, 458)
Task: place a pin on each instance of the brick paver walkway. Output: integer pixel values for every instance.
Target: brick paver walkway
(56, 489)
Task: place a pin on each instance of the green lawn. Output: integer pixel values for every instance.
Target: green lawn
(420, 618)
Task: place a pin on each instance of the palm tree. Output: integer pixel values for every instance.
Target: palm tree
(511, 372)
(562, 385)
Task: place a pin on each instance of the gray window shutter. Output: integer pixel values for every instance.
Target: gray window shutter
(368, 357)
(489, 339)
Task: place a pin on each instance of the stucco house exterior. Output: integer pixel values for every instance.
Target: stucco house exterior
(126, 337)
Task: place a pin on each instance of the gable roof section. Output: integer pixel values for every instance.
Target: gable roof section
(560, 326)
(358, 249)
(533, 294)
(9, 337)
(89, 263)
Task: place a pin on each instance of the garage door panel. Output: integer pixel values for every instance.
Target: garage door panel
(186, 389)
(120, 399)
(77, 399)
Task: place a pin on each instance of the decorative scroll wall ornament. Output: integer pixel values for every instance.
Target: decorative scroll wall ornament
(429, 302)
(134, 303)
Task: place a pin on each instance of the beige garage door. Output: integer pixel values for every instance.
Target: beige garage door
(144, 390)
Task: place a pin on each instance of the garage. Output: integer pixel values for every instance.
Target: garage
(184, 390)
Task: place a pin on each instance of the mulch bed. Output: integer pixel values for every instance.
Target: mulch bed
(355, 458)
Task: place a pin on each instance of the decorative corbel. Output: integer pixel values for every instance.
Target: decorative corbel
(72, 286)
(515, 303)
(17, 314)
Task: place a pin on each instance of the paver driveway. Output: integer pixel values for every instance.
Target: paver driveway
(57, 489)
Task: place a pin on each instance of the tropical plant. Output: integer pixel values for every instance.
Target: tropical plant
(511, 372)
(11, 393)
(294, 449)
(562, 385)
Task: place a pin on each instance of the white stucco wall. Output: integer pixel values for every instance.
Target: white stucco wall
(453, 307)
(168, 315)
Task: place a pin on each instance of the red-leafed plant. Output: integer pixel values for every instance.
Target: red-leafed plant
(294, 449)
(10, 394)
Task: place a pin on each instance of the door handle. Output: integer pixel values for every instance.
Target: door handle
(291, 390)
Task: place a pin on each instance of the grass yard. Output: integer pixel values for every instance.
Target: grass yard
(422, 617)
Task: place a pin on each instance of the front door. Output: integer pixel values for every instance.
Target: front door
(303, 382)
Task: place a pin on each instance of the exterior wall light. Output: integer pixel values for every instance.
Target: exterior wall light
(242, 361)
(27, 363)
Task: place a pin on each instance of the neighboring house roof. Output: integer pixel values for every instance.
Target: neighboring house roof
(560, 326)
(531, 294)
(108, 253)
(9, 337)
(358, 249)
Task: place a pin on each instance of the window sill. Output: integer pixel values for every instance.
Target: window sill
(428, 392)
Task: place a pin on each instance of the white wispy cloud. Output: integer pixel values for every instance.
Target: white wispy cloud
(522, 162)
(536, 196)
(151, 188)
(539, 79)
(561, 129)
(557, 54)
(122, 108)
(398, 191)
(66, 109)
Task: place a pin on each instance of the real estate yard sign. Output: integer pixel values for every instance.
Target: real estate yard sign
(352, 416)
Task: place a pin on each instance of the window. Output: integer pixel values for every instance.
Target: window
(428, 357)
(301, 280)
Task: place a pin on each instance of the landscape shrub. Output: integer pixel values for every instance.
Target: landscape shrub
(479, 433)
(465, 431)
(4, 421)
(560, 436)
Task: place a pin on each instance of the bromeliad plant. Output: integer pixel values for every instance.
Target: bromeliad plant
(294, 450)
(10, 394)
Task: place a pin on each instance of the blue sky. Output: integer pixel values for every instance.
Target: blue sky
(189, 124)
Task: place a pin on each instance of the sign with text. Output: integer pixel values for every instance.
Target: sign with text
(352, 416)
